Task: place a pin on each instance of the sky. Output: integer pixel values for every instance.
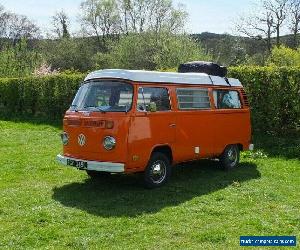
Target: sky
(215, 16)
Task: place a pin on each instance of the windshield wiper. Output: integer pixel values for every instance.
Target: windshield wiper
(95, 107)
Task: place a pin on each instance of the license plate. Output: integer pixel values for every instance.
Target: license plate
(77, 164)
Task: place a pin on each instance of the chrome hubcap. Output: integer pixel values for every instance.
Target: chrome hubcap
(232, 156)
(158, 171)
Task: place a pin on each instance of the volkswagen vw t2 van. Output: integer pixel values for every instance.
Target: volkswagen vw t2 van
(126, 121)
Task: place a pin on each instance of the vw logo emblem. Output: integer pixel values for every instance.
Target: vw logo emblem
(81, 140)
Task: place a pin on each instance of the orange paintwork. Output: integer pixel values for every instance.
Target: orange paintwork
(138, 133)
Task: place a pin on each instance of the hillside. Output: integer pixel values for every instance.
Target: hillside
(231, 50)
(86, 53)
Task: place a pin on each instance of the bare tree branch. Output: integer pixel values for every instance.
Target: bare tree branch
(60, 22)
(278, 10)
(294, 16)
(15, 27)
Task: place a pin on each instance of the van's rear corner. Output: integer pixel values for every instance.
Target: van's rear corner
(249, 145)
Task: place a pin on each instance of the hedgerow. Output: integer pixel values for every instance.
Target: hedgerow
(48, 96)
(274, 95)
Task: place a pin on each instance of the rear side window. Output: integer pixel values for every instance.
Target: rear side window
(160, 96)
(193, 98)
(227, 99)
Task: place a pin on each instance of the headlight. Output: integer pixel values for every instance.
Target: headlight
(109, 142)
(64, 138)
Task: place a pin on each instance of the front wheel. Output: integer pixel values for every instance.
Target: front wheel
(158, 170)
(230, 157)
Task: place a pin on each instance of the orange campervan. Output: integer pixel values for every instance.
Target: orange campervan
(126, 121)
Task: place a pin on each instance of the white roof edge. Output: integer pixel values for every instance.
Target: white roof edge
(234, 82)
(163, 77)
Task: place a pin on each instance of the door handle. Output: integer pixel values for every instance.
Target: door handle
(173, 125)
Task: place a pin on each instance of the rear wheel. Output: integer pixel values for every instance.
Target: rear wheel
(230, 157)
(158, 170)
(97, 175)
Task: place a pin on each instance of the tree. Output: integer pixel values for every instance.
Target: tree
(278, 11)
(229, 51)
(18, 60)
(68, 53)
(265, 21)
(136, 15)
(166, 18)
(3, 21)
(100, 18)
(151, 15)
(258, 26)
(16, 27)
(173, 49)
(294, 11)
(60, 23)
(152, 52)
(108, 18)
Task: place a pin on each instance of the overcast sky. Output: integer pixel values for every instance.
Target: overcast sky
(204, 15)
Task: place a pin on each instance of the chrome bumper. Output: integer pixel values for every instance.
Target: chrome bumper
(95, 165)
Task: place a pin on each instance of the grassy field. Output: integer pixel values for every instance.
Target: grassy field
(45, 205)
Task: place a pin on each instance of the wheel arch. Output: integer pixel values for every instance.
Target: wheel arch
(164, 149)
(240, 146)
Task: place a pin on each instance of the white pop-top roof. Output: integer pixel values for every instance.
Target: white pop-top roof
(163, 77)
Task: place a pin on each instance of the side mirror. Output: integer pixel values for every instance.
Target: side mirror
(152, 107)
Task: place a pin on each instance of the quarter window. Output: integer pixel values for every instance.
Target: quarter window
(193, 98)
(159, 96)
(226, 99)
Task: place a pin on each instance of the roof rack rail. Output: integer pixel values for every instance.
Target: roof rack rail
(163, 77)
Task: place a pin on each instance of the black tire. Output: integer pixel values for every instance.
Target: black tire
(97, 175)
(158, 171)
(230, 158)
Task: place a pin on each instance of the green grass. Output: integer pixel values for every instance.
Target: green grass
(45, 205)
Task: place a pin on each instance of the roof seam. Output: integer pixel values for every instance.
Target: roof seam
(164, 77)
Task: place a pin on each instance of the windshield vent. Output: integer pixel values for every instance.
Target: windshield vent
(100, 124)
(73, 122)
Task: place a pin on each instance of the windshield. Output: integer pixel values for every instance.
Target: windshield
(103, 96)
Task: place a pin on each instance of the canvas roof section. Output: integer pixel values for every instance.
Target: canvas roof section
(163, 77)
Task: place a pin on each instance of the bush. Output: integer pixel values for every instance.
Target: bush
(151, 51)
(68, 54)
(283, 56)
(48, 96)
(18, 60)
(274, 95)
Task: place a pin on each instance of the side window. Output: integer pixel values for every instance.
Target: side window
(159, 96)
(227, 99)
(193, 98)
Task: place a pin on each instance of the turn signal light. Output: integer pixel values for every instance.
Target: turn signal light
(64, 138)
(109, 124)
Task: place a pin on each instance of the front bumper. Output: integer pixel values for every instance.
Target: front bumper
(95, 165)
